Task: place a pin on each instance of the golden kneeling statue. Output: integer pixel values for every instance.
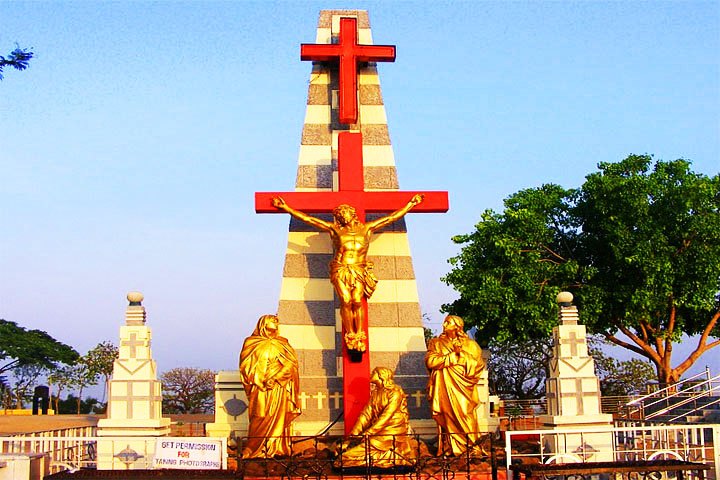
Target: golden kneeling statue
(382, 431)
(269, 373)
(455, 364)
(350, 271)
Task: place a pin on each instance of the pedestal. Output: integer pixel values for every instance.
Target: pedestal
(231, 405)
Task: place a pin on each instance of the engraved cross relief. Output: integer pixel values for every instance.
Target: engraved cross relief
(133, 343)
(574, 341)
(130, 398)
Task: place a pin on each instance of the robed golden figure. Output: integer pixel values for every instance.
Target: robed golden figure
(381, 435)
(350, 271)
(455, 364)
(269, 373)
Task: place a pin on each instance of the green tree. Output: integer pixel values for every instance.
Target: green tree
(25, 378)
(100, 360)
(620, 377)
(188, 390)
(19, 346)
(84, 373)
(638, 244)
(518, 370)
(18, 59)
(70, 404)
(61, 378)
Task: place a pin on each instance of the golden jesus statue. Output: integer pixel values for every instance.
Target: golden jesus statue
(350, 271)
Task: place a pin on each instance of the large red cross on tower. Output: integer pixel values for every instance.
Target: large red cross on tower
(347, 52)
(351, 190)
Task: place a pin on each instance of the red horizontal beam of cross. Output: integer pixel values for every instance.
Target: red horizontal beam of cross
(347, 53)
(351, 191)
(364, 202)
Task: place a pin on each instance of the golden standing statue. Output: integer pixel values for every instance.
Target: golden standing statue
(455, 364)
(384, 425)
(350, 271)
(269, 373)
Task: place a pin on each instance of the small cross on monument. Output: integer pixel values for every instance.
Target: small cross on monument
(347, 52)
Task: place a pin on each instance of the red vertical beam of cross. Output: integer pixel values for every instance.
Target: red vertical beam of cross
(356, 374)
(351, 190)
(347, 52)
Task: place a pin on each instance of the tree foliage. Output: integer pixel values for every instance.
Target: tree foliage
(17, 59)
(19, 347)
(518, 370)
(82, 375)
(188, 390)
(100, 360)
(85, 372)
(69, 405)
(24, 380)
(61, 378)
(620, 377)
(638, 244)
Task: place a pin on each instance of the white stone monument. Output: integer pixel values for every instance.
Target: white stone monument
(134, 398)
(573, 391)
(487, 420)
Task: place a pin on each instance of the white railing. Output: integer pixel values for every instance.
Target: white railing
(76, 452)
(65, 452)
(679, 394)
(692, 443)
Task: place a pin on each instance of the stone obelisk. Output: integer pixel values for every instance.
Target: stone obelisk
(134, 398)
(573, 391)
(308, 306)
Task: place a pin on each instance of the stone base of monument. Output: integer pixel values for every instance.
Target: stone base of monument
(315, 458)
(585, 445)
(231, 405)
(118, 450)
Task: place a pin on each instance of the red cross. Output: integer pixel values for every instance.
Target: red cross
(347, 52)
(351, 190)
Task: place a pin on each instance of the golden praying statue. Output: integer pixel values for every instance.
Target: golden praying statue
(455, 364)
(269, 373)
(384, 428)
(350, 271)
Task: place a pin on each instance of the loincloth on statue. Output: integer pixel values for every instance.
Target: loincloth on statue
(350, 275)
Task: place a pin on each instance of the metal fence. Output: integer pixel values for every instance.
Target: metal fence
(82, 452)
(318, 458)
(627, 443)
(536, 407)
(65, 452)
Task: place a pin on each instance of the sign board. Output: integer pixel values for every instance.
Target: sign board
(188, 453)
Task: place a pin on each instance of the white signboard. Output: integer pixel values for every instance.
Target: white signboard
(191, 453)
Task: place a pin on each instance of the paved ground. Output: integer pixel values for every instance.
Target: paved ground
(183, 425)
(10, 424)
(23, 424)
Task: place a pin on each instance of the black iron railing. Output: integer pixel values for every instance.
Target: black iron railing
(320, 458)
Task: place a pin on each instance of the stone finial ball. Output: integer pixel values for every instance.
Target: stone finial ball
(565, 298)
(135, 297)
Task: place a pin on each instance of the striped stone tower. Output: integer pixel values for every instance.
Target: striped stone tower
(308, 308)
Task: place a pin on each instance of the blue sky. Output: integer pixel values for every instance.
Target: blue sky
(132, 146)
